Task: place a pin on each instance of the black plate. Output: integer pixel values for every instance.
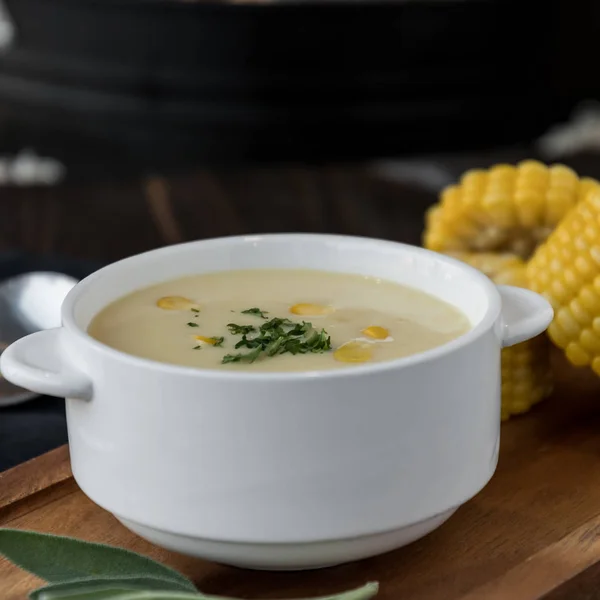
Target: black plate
(165, 83)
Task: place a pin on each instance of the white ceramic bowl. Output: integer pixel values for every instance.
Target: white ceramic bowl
(282, 470)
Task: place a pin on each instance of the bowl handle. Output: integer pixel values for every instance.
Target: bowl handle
(525, 314)
(35, 362)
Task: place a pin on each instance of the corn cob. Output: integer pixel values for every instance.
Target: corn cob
(526, 372)
(504, 209)
(566, 270)
(503, 269)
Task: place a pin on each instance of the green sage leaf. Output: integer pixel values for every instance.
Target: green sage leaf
(363, 593)
(97, 587)
(58, 559)
(120, 594)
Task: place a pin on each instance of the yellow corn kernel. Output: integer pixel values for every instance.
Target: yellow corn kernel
(207, 340)
(526, 371)
(376, 332)
(506, 209)
(175, 303)
(573, 287)
(310, 310)
(354, 352)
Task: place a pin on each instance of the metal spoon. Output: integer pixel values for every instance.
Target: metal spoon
(28, 303)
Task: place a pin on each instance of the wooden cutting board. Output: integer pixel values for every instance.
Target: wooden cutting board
(533, 532)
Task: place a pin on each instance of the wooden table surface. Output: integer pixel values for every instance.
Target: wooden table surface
(533, 532)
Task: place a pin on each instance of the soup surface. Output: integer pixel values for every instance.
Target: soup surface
(276, 320)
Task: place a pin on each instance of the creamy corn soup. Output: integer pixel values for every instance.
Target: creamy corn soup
(276, 320)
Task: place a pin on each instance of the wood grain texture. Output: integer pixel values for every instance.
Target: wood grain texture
(44, 474)
(33, 489)
(585, 586)
(533, 532)
(107, 221)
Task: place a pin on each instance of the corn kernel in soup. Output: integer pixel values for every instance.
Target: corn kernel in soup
(276, 320)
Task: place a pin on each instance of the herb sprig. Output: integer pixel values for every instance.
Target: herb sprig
(276, 336)
(256, 311)
(240, 329)
(76, 569)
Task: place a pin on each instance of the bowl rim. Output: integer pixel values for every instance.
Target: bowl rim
(484, 325)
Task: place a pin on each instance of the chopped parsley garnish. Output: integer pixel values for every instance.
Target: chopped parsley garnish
(257, 312)
(197, 347)
(195, 310)
(240, 329)
(192, 324)
(240, 357)
(217, 341)
(278, 336)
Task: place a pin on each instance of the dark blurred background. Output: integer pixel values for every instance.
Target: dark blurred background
(129, 124)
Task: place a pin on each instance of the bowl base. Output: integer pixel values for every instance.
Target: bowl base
(292, 556)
